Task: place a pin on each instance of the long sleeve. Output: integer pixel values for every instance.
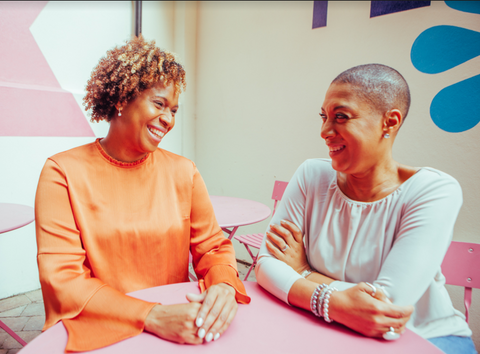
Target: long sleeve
(94, 314)
(213, 254)
(424, 234)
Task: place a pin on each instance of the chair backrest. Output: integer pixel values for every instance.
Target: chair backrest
(278, 190)
(461, 266)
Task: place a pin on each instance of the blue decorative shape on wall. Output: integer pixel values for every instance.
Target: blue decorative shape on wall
(379, 8)
(440, 48)
(455, 108)
(319, 14)
(465, 6)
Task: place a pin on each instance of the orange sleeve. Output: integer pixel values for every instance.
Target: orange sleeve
(94, 314)
(213, 254)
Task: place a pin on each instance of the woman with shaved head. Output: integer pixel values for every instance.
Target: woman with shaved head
(359, 238)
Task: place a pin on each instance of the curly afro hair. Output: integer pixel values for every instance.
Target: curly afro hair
(126, 71)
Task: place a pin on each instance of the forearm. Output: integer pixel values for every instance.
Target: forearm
(301, 291)
(319, 278)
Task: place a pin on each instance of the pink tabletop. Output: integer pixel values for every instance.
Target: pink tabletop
(14, 216)
(266, 325)
(231, 212)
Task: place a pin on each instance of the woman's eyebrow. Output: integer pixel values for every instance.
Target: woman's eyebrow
(341, 107)
(337, 107)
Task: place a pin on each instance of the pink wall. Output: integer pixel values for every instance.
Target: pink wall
(32, 101)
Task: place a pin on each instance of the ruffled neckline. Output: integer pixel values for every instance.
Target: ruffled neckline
(379, 201)
(116, 162)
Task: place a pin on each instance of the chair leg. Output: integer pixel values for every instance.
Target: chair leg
(13, 334)
(192, 277)
(251, 267)
(254, 258)
(467, 301)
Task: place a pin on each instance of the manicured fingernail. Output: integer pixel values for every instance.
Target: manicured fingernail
(199, 322)
(209, 337)
(201, 333)
(216, 336)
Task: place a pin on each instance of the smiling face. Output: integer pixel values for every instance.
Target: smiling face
(352, 129)
(144, 122)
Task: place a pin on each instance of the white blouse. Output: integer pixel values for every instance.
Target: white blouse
(397, 243)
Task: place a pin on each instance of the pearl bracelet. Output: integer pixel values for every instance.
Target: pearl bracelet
(320, 301)
(326, 300)
(314, 299)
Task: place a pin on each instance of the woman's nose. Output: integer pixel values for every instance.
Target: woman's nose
(167, 117)
(327, 129)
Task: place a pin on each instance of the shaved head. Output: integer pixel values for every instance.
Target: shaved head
(380, 85)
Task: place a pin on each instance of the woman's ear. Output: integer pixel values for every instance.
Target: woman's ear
(119, 108)
(393, 120)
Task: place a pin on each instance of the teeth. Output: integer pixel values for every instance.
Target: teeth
(336, 148)
(157, 132)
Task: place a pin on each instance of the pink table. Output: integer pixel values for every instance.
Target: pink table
(266, 325)
(231, 213)
(14, 216)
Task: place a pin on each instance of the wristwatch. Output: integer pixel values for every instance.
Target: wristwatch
(306, 273)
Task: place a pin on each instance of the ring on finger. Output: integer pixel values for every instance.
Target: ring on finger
(285, 248)
(374, 289)
(391, 334)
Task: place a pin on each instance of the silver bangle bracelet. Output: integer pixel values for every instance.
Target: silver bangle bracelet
(326, 300)
(314, 299)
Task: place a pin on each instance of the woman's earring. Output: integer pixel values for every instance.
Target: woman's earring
(119, 112)
(386, 135)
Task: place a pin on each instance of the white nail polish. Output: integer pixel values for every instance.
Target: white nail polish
(199, 322)
(216, 336)
(201, 333)
(209, 337)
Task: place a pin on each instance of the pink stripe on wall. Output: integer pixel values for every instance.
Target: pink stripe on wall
(31, 99)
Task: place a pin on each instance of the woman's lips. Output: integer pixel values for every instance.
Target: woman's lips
(156, 133)
(335, 149)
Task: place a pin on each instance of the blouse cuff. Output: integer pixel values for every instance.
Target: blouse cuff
(228, 275)
(89, 330)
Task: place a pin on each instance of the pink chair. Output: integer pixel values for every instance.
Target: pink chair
(255, 240)
(461, 267)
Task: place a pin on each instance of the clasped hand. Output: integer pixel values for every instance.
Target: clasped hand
(206, 316)
(285, 242)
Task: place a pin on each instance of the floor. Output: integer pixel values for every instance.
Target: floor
(25, 315)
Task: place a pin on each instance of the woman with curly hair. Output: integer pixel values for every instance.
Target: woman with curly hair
(120, 215)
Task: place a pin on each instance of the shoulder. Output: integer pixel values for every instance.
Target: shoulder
(313, 175)
(316, 170)
(176, 162)
(431, 178)
(432, 184)
(75, 155)
(316, 166)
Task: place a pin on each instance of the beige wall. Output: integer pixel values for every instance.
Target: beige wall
(261, 77)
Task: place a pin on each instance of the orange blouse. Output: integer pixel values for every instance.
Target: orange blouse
(105, 228)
